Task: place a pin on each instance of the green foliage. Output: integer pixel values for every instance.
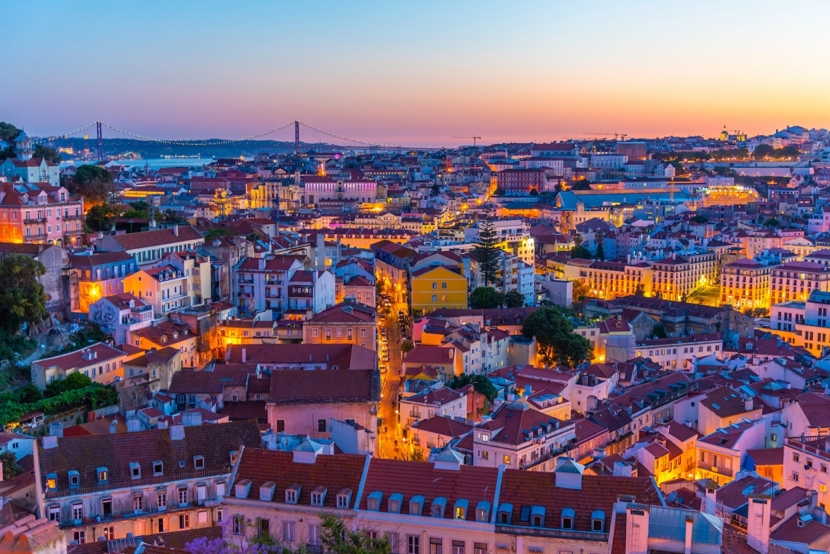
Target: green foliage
(534, 192)
(407, 346)
(436, 190)
(337, 538)
(12, 405)
(73, 382)
(82, 338)
(11, 468)
(499, 192)
(92, 182)
(600, 239)
(486, 297)
(14, 346)
(555, 338)
(640, 290)
(580, 291)
(514, 299)
(582, 184)
(8, 132)
(487, 253)
(481, 383)
(579, 251)
(659, 331)
(700, 219)
(22, 298)
(217, 232)
(772, 222)
(102, 217)
(765, 151)
(50, 154)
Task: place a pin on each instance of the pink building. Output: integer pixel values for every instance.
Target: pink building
(39, 213)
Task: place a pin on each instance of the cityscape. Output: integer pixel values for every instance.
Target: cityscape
(359, 279)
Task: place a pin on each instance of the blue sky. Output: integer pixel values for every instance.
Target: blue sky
(419, 72)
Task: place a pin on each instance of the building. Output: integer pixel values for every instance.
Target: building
(721, 453)
(676, 276)
(804, 324)
(745, 284)
(680, 353)
(196, 269)
(40, 213)
(520, 182)
(349, 322)
(139, 483)
(309, 292)
(31, 171)
(608, 280)
(100, 362)
(164, 288)
(100, 274)
(796, 280)
(316, 188)
(392, 268)
(120, 315)
(262, 283)
(149, 247)
(434, 287)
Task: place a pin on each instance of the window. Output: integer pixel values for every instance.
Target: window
(507, 459)
(443, 285)
(184, 521)
(314, 535)
(238, 525)
(135, 470)
(435, 546)
(795, 457)
(54, 513)
(109, 532)
(394, 543)
(457, 547)
(263, 528)
(413, 544)
(74, 479)
(479, 548)
(291, 496)
(182, 496)
(321, 425)
(435, 298)
(51, 481)
(158, 468)
(343, 500)
(773, 437)
(161, 499)
(434, 285)
(102, 475)
(79, 537)
(288, 528)
(280, 426)
(138, 503)
(77, 511)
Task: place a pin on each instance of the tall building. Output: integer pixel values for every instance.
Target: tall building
(745, 284)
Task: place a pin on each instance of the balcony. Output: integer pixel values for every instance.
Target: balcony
(30, 220)
(715, 469)
(132, 484)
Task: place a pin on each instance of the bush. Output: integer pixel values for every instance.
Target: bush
(12, 406)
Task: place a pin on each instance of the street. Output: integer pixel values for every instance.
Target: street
(389, 434)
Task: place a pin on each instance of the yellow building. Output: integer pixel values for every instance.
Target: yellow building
(611, 279)
(745, 284)
(796, 280)
(435, 287)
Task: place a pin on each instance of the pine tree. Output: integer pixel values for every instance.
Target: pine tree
(487, 253)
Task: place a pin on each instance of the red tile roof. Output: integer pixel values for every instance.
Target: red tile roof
(158, 237)
(445, 426)
(321, 386)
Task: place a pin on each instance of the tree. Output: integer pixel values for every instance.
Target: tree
(487, 253)
(555, 338)
(436, 190)
(498, 192)
(11, 468)
(22, 298)
(762, 151)
(407, 346)
(218, 232)
(640, 290)
(102, 217)
(771, 222)
(659, 331)
(579, 251)
(534, 192)
(580, 291)
(514, 299)
(700, 219)
(92, 182)
(600, 238)
(486, 297)
(50, 154)
(481, 384)
(74, 381)
(8, 133)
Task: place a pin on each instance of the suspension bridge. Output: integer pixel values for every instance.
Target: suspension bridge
(289, 132)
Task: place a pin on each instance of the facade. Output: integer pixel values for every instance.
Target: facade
(100, 274)
(196, 269)
(100, 362)
(804, 324)
(31, 170)
(316, 188)
(796, 280)
(677, 276)
(149, 247)
(310, 292)
(745, 284)
(120, 315)
(348, 322)
(139, 483)
(164, 288)
(609, 280)
(262, 283)
(680, 353)
(520, 181)
(40, 213)
(434, 287)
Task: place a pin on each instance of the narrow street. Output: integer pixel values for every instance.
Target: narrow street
(389, 432)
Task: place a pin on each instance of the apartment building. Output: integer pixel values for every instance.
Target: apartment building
(676, 276)
(520, 182)
(679, 353)
(392, 268)
(796, 280)
(804, 324)
(745, 284)
(435, 287)
(806, 462)
(345, 323)
(196, 269)
(164, 288)
(121, 314)
(100, 274)
(513, 234)
(721, 453)
(149, 247)
(608, 280)
(100, 362)
(40, 213)
(133, 484)
(309, 292)
(262, 283)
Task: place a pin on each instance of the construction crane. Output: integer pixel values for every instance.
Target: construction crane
(608, 133)
(474, 139)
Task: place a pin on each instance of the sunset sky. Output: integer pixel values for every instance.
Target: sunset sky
(417, 73)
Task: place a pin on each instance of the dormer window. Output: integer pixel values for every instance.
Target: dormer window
(459, 511)
(243, 488)
(344, 499)
(103, 475)
(537, 516)
(416, 505)
(158, 468)
(266, 491)
(74, 479)
(439, 505)
(52, 481)
(234, 455)
(598, 521)
(135, 470)
(199, 462)
(292, 493)
(373, 502)
(395, 503)
(567, 518)
(318, 496)
(483, 511)
(505, 515)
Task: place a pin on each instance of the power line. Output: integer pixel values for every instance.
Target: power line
(200, 143)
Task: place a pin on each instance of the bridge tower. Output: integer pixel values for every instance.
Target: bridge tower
(296, 137)
(99, 130)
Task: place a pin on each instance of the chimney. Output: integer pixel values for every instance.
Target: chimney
(622, 469)
(176, 432)
(320, 252)
(528, 390)
(710, 499)
(758, 523)
(687, 549)
(176, 230)
(636, 523)
(748, 405)
(113, 427)
(244, 355)
(568, 473)
(56, 429)
(50, 441)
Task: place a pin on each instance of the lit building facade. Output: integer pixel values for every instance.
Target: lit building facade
(745, 284)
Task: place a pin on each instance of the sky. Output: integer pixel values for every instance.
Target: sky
(417, 73)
